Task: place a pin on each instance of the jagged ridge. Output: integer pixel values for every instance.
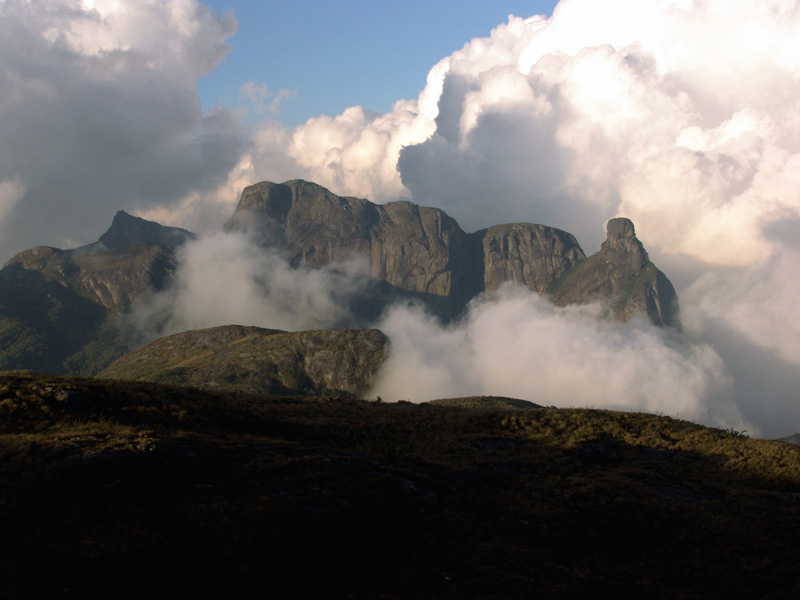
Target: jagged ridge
(424, 252)
(59, 309)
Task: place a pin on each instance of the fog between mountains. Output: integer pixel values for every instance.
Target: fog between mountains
(512, 343)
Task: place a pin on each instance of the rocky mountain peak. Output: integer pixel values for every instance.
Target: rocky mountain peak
(623, 251)
(622, 277)
(620, 228)
(126, 229)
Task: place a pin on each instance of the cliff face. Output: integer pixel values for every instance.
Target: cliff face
(418, 250)
(621, 276)
(530, 255)
(58, 307)
(413, 248)
(422, 252)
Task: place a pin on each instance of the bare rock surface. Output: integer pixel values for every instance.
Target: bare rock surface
(622, 277)
(411, 248)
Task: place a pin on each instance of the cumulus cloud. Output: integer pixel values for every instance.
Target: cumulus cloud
(99, 111)
(517, 344)
(681, 116)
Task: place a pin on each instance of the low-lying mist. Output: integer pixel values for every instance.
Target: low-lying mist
(516, 343)
(224, 279)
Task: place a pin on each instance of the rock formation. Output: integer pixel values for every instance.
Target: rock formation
(415, 250)
(621, 276)
(526, 254)
(58, 308)
(61, 310)
(126, 229)
(331, 362)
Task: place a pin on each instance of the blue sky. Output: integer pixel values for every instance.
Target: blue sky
(333, 55)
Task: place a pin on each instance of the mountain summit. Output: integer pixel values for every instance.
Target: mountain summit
(422, 252)
(622, 276)
(126, 229)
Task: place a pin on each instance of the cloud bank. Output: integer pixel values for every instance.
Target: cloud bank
(224, 279)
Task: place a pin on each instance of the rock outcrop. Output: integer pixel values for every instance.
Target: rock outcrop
(622, 277)
(526, 254)
(58, 308)
(109, 279)
(331, 362)
(414, 250)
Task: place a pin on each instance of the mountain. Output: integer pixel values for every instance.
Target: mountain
(63, 311)
(333, 362)
(131, 490)
(422, 252)
(126, 229)
(622, 276)
(415, 251)
(60, 309)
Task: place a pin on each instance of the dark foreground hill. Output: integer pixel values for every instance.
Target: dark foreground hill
(112, 490)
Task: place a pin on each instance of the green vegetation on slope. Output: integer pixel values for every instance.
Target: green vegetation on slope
(111, 489)
(331, 362)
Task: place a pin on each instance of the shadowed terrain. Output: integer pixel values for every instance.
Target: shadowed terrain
(111, 489)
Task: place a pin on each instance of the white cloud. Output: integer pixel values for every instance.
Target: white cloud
(519, 345)
(680, 114)
(257, 94)
(99, 111)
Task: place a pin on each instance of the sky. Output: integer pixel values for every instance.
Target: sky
(386, 49)
(678, 114)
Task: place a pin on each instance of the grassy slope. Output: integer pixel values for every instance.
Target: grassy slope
(119, 490)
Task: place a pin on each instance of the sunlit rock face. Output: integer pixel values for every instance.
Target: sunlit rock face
(410, 247)
(527, 254)
(622, 276)
(414, 249)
